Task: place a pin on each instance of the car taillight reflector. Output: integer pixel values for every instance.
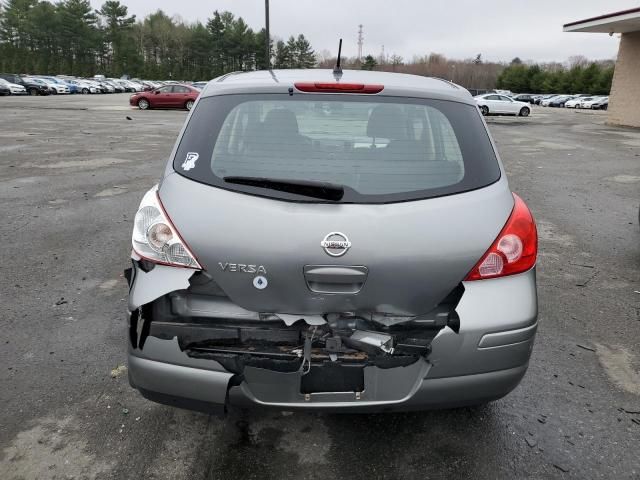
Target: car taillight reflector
(514, 251)
(338, 87)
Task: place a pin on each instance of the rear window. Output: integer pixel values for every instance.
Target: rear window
(380, 149)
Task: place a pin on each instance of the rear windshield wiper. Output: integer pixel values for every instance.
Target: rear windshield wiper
(308, 188)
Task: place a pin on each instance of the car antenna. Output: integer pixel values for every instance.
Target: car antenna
(337, 70)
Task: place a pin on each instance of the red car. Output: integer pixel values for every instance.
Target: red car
(169, 96)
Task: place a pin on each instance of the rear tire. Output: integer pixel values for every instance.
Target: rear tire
(485, 110)
(524, 112)
(143, 104)
(33, 92)
(189, 105)
(85, 91)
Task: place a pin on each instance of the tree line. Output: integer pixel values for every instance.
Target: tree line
(473, 73)
(579, 76)
(70, 37)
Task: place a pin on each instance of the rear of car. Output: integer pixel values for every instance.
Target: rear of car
(331, 243)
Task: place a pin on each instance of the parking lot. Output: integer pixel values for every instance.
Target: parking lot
(72, 172)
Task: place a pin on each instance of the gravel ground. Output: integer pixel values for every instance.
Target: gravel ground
(72, 171)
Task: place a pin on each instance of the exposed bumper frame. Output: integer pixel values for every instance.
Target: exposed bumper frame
(206, 390)
(484, 361)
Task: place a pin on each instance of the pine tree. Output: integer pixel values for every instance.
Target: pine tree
(120, 51)
(305, 56)
(369, 63)
(282, 55)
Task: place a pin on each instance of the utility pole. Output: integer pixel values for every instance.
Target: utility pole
(268, 38)
(360, 42)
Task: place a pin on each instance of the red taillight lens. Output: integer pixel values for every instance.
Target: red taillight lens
(514, 251)
(338, 87)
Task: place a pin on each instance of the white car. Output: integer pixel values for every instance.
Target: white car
(589, 103)
(577, 102)
(492, 103)
(14, 88)
(57, 88)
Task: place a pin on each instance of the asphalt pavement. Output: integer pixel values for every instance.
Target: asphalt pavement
(72, 172)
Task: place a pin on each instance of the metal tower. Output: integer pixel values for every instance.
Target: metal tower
(360, 42)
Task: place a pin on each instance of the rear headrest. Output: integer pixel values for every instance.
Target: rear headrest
(280, 121)
(387, 121)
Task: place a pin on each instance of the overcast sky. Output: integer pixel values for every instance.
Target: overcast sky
(499, 29)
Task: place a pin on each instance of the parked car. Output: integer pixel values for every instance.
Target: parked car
(492, 103)
(576, 102)
(147, 86)
(542, 98)
(279, 263)
(85, 87)
(54, 86)
(199, 85)
(132, 86)
(8, 88)
(524, 97)
(116, 86)
(559, 101)
(101, 87)
(170, 96)
(545, 101)
(72, 88)
(124, 84)
(601, 104)
(106, 87)
(33, 88)
(597, 100)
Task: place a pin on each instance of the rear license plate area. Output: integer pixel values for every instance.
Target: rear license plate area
(333, 379)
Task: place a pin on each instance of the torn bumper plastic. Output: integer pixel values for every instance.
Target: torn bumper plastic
(204, 353)
(212, 389)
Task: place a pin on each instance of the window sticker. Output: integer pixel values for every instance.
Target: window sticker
(190, 161)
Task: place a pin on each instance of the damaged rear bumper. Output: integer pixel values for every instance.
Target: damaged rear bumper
(208, 390)
(484, 360)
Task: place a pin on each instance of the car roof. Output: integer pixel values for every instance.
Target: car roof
(279, 81)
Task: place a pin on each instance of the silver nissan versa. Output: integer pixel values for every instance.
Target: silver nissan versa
(331, 240)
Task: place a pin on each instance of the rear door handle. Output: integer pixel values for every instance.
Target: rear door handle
(335, 278)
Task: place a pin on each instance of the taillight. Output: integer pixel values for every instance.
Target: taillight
(155, 238)
(338, 87)
(514, 251)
